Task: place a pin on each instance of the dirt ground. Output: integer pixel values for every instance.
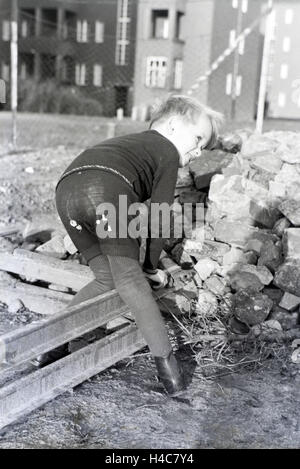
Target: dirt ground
(249, 406)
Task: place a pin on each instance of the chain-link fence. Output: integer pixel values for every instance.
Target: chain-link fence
(88, 70)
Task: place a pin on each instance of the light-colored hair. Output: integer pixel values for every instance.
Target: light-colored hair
(190, 109)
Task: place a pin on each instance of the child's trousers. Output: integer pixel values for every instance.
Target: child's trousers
(125, 274)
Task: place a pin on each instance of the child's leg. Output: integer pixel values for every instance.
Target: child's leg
(102, 283)
(135, 291)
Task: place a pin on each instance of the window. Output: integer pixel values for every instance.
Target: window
(281, 99)
(232, 38)
(82, 31)
(160, 24)
(67, 70)
(238, 85)
(244, 6)
(179, 25)
(2, 92)
(228, 83)
(289, 15)
(99, 32)
(235, 3)
(156, 72)
(123, 27)
(97, 76)
(5, 30)
(5, 71)
(23, 71)
(242, 46)
(178, 68)
(24, 28)
(286, 46)
(284, 69)
(80, 74)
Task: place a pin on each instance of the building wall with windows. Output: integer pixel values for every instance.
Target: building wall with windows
(159, 51)
(284, 69)
(90, 46)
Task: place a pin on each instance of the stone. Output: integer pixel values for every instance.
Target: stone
(209, 248)
(14, 305)
(271, 325)
(291, 243)
(69, 245)
(41, 228)
(192, 197)
(237, 255)
(206, 267)
(287, 319)
(291, 210)
(181, 257)
(244, 281)
(6, 245)
(235, 233)
(289, 302)
(274, 293)
(184, 178)
(175, 302)
(7, 279)
(280, 226)
(271, 256)
(289, 178)
(257, 144)
(61, 288)
(251, 307)
(205, 167)
(287, 277)
(261, 272)
(55, 247)
(268, 163)
(207, 304)
(289, 153)
(230, 142)
(216, 285)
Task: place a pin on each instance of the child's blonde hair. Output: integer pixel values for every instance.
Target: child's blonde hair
(189, 109)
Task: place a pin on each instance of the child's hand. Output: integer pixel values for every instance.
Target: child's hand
(157, 280)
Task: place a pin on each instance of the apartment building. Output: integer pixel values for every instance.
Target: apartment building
(284, 68)
(88, 45)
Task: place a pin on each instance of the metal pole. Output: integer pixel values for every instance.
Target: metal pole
(269, 30)
(14, 69)
(236, 61)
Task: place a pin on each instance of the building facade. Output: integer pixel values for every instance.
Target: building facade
(91, 46)
(284, 66)
(177, 41)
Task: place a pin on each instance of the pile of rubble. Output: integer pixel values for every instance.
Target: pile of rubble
(250, 255)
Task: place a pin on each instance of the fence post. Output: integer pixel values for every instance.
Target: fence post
(269, 30)
(14, 69)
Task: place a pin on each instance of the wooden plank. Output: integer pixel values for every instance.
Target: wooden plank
(31, 340)
(38, 266)
(22, 396)
(10, 230)
(37, 299)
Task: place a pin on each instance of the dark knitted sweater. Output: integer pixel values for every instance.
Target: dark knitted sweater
(148, 161)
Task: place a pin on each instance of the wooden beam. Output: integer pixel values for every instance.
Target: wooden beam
(37, 299)
(32, 264)
(24, 395)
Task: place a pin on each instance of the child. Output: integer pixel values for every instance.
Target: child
(139, 166)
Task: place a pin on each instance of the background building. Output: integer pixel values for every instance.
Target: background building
(90, 46)
(284, 69)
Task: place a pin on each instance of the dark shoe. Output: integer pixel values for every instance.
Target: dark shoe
(50, 357)
(170, 373)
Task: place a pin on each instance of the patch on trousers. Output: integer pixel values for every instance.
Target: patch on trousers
(104, 220)
(74, 224)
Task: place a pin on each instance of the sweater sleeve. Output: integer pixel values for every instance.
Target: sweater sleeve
(163, 190)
